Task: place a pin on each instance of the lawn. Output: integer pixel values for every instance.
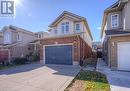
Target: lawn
(2, 67)
(89, 81)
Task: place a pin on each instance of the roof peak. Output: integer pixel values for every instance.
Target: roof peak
(62, 14)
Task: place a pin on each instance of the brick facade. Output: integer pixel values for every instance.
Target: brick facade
(81, 50)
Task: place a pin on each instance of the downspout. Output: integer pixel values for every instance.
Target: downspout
(78, 43)
(109, 52)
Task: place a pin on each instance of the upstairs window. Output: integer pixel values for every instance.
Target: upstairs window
(7, 37)
(18, 37)
(65, 27)
(39, 36)
(114, 20)
(55, 31)
(77, 27)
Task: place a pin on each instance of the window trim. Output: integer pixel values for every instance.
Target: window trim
(7, 37)
(65, 27)
(18, 37)
(117, 20)
(55, 31)
(76, 27)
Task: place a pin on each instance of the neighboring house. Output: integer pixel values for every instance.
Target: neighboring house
(115, 35)
(69, 41)
(1, 37)
(34, 45)
(14, 42)
(41, 35)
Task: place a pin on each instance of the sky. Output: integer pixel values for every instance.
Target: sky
(36, 15)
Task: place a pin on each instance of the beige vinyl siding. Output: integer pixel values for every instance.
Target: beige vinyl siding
(26, 38)
(1, 40)
(14, 37)
(126, 16)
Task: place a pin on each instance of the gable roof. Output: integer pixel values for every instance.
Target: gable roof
(118, 6)
(17, 29)
(74, 16)
(62, 16)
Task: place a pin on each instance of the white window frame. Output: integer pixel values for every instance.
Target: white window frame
(117, 20)
(7, 37)
(76, 27)
(39, 36)
(19, 39)
(55, 31)
(65, 27)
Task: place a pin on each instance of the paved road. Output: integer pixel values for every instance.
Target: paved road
(36, 77)
(119, 80)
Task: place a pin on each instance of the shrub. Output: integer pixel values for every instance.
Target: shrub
(20, 60)
(34, 57)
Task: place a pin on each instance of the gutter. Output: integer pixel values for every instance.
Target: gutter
(114, 35)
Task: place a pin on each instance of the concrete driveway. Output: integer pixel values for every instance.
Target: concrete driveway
(37, 77)
(118, 80)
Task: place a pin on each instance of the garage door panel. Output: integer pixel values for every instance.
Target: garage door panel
(124, 56)
(58, 54)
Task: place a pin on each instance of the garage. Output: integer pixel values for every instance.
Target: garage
(124, 56)
(4, 55)
(58, 54)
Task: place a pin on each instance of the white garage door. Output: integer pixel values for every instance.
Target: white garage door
(124, 56)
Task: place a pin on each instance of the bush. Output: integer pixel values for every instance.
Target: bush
(20, 60)
(34, 57)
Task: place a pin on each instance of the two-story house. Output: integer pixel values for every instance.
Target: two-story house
(115, 35)
(69, 40)
(14, 42)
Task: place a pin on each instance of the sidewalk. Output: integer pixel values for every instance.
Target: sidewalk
(119, 81)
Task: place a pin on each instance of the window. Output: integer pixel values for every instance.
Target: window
(17, 36)
(65, 27)
(7, 37)
(77, 27)
(55, 31)
(39, 36)
(114, 20)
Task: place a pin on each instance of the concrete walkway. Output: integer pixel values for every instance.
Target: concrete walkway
(118, 80)
(37, 77)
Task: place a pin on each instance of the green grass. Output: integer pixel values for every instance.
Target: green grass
(91, 81)
(2, 67)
